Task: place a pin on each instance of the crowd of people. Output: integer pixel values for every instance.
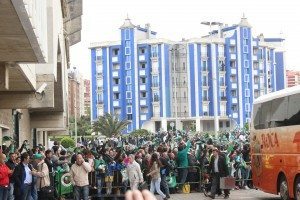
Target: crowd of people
(114, 165)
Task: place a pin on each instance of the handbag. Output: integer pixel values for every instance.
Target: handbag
(143, 186)
(47, 191)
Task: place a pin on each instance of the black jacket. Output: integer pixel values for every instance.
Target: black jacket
(222, 166)
(11, 165)
(19, 177)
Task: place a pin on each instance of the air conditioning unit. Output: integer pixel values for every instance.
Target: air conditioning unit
(205, 113)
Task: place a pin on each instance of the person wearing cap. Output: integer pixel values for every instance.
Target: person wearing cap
(42, 175)
(218, 168)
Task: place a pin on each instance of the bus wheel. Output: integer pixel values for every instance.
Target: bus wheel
(284, 190)
(297, 189)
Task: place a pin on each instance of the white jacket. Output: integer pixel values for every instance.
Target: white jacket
(79, 174)
(134, 172)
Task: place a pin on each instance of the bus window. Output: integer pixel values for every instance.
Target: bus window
(257, 115)
(294, 110)
(279, 112)
(265, 115)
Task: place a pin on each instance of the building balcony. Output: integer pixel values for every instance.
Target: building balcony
(115, 74)
(254, 57)
(115, 59)
(143, 87)
(255, 87)
(116, 103)
(142, 58)
(23, 36)
(142, 72)
(180, 114)
(234, 100)
(235, 115)
(115, 88)
(143, 102)
(234, 86)
(180, 99)
(232, 56)
(232, 42)
(233, 70)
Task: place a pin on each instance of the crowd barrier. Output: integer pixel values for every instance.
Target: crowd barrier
(195, 181)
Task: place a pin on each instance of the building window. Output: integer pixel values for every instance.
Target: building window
(205, 110)
(204, 80)
(129, 109)
(222, 80)
(232, 49)
(116, 66)
(232, 64)
(233, 79)
(247, 93)
(142, 80)
(155, 81)
(143, 94)
(127, 34)
(128, 80)
(204, 65)
(129, 116)
(233, 93)
(127, 50)
(247, 107)
(142, 50)
(116, 81)
(205, 95)
(154, 51)
(245, 48)
(247, 78)
(143, 65)
(116, 96)
(245, 33)
(127, 63)
(115, 52)
(221, 65)
(128, 95)
(155, 97)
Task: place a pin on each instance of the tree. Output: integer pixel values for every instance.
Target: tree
(67, 142)
(140, 133)
(110, 125)
(84, 126)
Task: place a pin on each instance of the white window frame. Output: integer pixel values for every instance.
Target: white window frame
(127, 34)
(246, 63)
(245, 33)
(128, 80)
(247, 93)
(247, 78)
(245, 48)
(247, 107)
(129, 51)
(127, 67)
(127, 94)
(129, 108)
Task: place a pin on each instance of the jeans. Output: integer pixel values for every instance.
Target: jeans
(34, 195)
(165, 185)
(4, 193)
(27, 192)
(215, 185)
(155, 185)
(11, 191)
(100, 183)
(182, 172)
(81, 191)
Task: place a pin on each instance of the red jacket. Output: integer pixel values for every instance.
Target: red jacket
(4, 175)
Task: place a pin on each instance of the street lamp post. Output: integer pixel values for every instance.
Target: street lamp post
(75, 112)
(214, 75)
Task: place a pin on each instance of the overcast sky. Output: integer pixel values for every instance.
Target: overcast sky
(177, 19)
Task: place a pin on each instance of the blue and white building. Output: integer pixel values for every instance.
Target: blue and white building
(208, 83)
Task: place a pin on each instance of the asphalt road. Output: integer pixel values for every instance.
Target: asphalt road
(234, 195)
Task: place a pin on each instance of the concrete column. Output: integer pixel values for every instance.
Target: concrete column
(164, 124)
(4, 76)
(179, 125)
(46, 139)
(198, 125)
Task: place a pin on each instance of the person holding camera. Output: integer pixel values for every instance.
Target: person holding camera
(79, 178)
